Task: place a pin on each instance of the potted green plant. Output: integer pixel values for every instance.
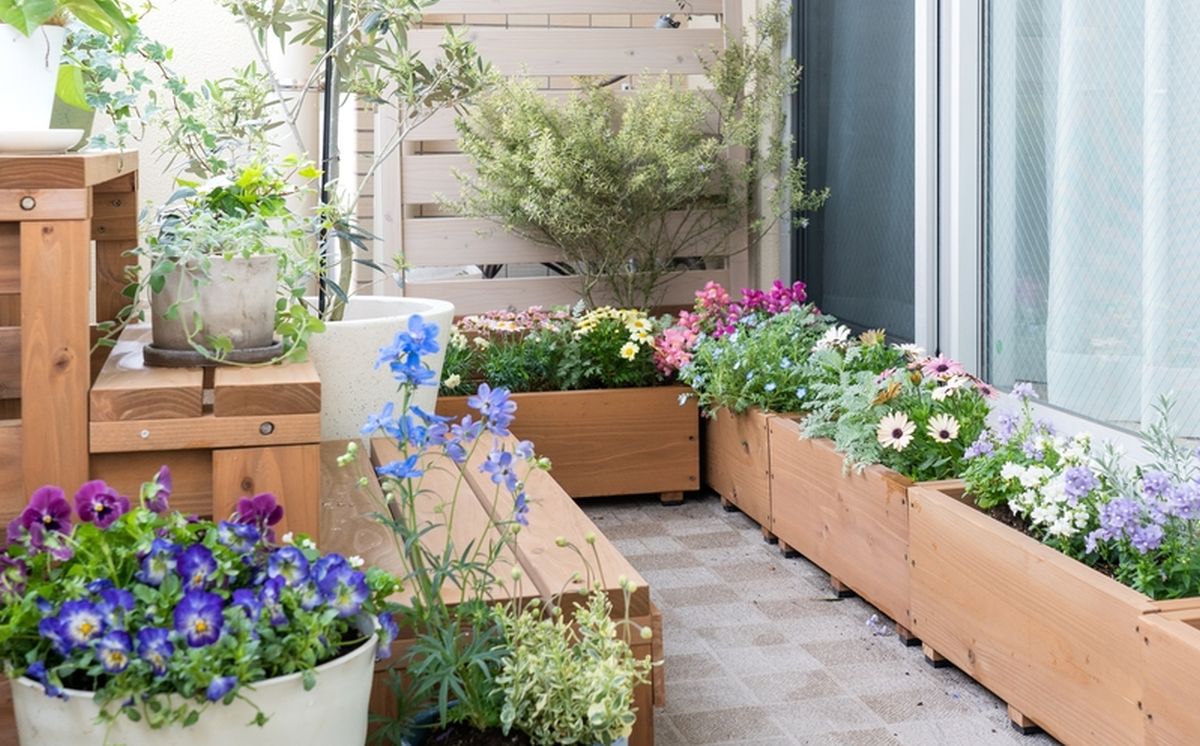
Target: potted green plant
(125, 622)
(226, 272)
(31, 43)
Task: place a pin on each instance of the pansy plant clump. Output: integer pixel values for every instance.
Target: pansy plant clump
(160, 614)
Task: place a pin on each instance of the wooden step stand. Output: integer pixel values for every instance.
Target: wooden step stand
(226, 432)
(348, 527)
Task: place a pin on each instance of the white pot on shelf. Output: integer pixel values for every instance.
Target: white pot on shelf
(345, 353)
(332, 712)
(29, 65)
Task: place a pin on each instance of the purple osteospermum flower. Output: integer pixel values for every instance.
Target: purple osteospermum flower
(270, 597)
(238, 537)
(114, 604)
(159, 493)
(345, 590)
(100, 504)
(406, 469)
(198, 617)
(288, 563)
(81, 622)
(37, 672)
(388, 632)
(160, 560)
(496, 407)
(1078, 481)
(48, 509)
(113, 651)
(51, 628)
(154, 646)
(220, 686)
(499, 465)
(197, 566)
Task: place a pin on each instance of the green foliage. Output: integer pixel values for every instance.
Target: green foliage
(565, 683)
(838, 366)
(632, 191)
(762, 363)
(108, 17)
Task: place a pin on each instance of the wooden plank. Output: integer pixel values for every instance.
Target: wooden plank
(737, 461)
(694, 7)
(55, 352)
(8, 721)
(854, 526)
(480, 295)
(431, 179)
(12, 491)
(571, 51)
(126, 389)
(191, 476)
(610, 441)
(10, 362)
(73, 170)
(1050, 636)
(291, 473)
(113, 262)
(45, 204)
(205, 432)
(290, 388)
(126, 182)
(1171, 655)
(347, 525)
(10, 258)
(553, 517)
(472, 534)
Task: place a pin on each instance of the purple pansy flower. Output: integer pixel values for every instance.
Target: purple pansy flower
(48, 509)
(158, 493)
(288, 563)
(154, 646)
(198, 617)
(113, 651)
(37, 672)
(51, 628)
(114, 604)
(262, 511)
(100, 504)
(271, 598)
(345, 590)
(197, 566)
(160, 560)
(220, 686)
(81, 622)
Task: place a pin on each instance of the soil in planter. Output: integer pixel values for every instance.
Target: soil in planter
(464, 735)
(1002, 514)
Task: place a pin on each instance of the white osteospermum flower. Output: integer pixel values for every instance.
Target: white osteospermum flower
(942, 392)
(835, 336)
(943, 428)
(895, 431)
(911, 350)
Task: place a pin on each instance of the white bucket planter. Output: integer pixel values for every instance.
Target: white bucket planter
(30, 68)
(345, 354)
(333, 712)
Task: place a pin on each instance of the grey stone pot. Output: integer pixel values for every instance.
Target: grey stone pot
(236, 300)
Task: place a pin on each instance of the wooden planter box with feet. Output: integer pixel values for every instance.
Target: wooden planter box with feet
(1171, 665)
(610, 441)
(737, 462)
(1057, 640)
(852, 525)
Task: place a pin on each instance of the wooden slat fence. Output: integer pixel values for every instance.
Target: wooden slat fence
(551, 41)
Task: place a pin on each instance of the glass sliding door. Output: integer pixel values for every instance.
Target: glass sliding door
(855, 127)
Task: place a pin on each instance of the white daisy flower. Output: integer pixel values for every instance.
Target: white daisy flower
(943, 428)
(942, 392)
(835, 336)
(629, 350)
(895, 431)
(911, 350)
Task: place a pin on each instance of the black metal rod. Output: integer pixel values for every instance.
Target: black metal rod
(327, 113)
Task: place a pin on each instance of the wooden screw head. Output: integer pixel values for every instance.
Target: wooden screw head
(266, 428)
(27, 202)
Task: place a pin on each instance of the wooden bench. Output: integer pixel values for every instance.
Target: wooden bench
(548, 569)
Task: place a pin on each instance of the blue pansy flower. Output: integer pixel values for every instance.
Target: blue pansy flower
(199, 618)
(113, 651)
(114, 604)
(240, 538)
(154, 646)
(158, 562)
(388, 632)
(271, 598)
(37, 672)
(197, 566)
(220, 686)
(81, 622)
(345, 590)
(288, 563)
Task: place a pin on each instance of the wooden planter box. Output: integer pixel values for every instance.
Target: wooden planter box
(610, 441)
(1057, 640)
(853, 525)
(1171, 650)
(737, 463)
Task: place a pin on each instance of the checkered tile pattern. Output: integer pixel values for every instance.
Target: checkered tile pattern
(760, 652)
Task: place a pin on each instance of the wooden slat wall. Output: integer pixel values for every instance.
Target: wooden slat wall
(552, 41)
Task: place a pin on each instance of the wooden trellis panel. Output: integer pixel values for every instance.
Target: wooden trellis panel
(551, 41)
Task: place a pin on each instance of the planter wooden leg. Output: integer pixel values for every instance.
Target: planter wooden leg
(787, 551)
(841, 589)
(1022, 724)
(907, 638)
(671, 498)
(727, 505)
(933, 657)
(769, 537)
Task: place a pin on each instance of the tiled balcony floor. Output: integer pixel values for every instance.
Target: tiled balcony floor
(760, 652)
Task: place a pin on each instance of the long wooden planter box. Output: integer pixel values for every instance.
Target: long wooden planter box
(1057, 640)
(737, 463)
(1171, 655)
(610, 441)
(853, 525)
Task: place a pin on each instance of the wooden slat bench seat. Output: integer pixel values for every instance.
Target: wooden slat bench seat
(347, 527)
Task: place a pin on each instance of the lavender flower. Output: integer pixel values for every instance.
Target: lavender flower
(100, 504)
(154, 646)
(198, 617)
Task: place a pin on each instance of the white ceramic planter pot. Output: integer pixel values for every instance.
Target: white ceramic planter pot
(333, 712)
(236, 300)
(30, 68)
(345, 354)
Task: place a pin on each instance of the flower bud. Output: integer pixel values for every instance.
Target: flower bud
(590, 537)
(517, 574)
(560, 542)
